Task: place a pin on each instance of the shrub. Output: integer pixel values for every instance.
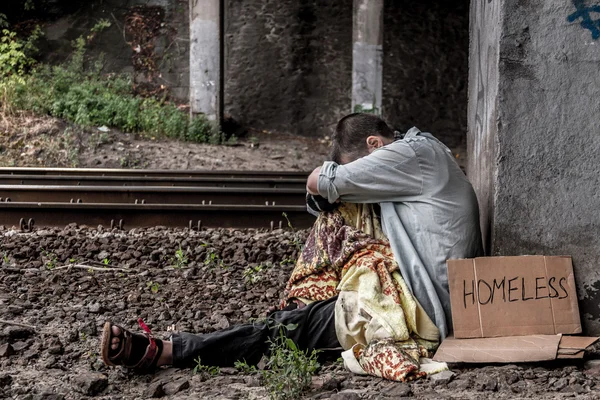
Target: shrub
(88, 97)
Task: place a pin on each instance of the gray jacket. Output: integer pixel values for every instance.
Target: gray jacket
(429, 211)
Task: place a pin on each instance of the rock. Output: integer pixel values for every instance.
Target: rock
(176, 386)
(49, 363)
(20, 346)
(345, 395)
(441, 378)
(575, 388)
(592, 368)
(518, 387)
(55, 349)
(228, 371)
(5, 380)
(31, 353)
(89, 383)
(73, 336)
(326, 382)
(18, 332)
(489, 384)
(6, 350)
(222, 323)
(561, 383)
(48, 396)
(95, 308)
(397, 390)
(252, 381)
(154, 390)
(89, 329)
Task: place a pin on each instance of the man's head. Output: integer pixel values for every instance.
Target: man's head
(357, 135)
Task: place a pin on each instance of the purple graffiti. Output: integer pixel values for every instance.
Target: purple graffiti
(583, 12)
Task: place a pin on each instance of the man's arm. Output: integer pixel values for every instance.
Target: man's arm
(391, 173)
(313, 181)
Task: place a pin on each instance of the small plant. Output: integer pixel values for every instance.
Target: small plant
(83, 336)
(286, 261)
(289, 370)
(180, 260)
(296, 241)
(52, 261)
(211, 370)
(98, 27)
(253, 275)
(106, 262)
(153, 286)
(244, 367)
(212, 261)
(5, 258)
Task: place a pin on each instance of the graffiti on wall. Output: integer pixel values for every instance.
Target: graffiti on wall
(585, 13)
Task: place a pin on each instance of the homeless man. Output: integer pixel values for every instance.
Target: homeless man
(371, 278)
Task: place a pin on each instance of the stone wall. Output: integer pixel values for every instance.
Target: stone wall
(425, 66)
(542, 180)
(288, 64)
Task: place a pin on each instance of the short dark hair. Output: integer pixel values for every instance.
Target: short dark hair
(352, 132)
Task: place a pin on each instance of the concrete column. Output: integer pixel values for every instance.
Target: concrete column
(205, 58)
(534, 137)
(367, 56)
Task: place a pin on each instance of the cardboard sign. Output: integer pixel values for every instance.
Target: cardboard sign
(513, 349)
(513, 296)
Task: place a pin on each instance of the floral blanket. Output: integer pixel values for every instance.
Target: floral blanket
(383, 329)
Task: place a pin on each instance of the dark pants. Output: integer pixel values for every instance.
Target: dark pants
(315, 330)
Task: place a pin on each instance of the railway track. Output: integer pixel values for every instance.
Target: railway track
(36, 197)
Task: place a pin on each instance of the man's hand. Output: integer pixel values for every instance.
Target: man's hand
(312, 184)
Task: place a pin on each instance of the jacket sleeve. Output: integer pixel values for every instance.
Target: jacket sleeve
(391, 173)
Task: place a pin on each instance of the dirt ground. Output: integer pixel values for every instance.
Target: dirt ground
(28, 141)
(136, 275)
(43, 141)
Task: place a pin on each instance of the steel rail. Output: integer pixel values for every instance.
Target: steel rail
(204, 181)
(111, 172)
(127, 216)
(151, 195)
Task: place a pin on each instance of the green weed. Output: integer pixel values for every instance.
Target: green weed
(296, 242)
(244, 367)
(180, 260)
(253, 275)
(52, 260)
(211, 370)
(289, 370)
(153, 286)
(212, 261)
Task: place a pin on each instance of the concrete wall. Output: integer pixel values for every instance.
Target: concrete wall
(545, 173)
(288, 64)
(425, 66)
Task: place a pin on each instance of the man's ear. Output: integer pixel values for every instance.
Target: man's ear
(374, 142)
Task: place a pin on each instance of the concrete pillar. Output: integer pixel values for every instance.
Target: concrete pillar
(205, 58)
(534, 137)
(367, 56)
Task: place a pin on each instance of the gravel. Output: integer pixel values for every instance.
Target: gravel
(135, 274)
